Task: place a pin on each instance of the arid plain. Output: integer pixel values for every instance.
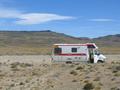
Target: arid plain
(37, 72)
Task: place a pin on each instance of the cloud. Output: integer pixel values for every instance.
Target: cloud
(37, 18)
(23, 18)
(101, 20)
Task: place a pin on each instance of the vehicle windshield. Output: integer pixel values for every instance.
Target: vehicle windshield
(97, 52)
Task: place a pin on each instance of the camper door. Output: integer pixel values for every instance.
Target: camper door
(56, 55)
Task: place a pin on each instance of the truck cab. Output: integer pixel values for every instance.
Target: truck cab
(94, 54)
(98, 57)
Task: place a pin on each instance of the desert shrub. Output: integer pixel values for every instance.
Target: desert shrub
(14, 65)
(97, 79)
(109, 68)
(21, 83)
(112, 62)
(118, 68)
(117, 74)
(72, 65)
(35, 73)
(12, 85)
(27, 81)
(73, 72)
(88, 86)
(74, 80)
(113, 79)
(115, 88)
(50, 83)
(35, 88)
(0, 63)
(100, 84)
(115, 69)
(2, 75)
(98, 88)
(79, 68)
(87, 77)
(45, 65)
(86, 81)
(77, 63)
(25, 65)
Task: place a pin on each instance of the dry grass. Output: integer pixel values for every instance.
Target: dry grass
(38, 73)
(28, 50)
(110, 50)
(25, 50)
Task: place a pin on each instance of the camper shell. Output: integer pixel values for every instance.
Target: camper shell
(77, 53)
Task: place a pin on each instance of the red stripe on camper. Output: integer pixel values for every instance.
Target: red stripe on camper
(79, 54)
(73, 45)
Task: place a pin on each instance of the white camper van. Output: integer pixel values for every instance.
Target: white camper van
(77, 53)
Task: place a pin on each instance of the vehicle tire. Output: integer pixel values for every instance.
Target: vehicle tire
(68, 62)
(100, 61)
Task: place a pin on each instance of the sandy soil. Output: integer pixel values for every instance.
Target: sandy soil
(39, 73)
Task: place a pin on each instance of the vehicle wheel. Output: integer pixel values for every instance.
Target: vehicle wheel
(100, 61)
(68, 62)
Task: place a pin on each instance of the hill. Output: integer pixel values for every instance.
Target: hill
(40, 42)
(109, 44)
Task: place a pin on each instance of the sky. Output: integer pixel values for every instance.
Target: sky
(79, 18)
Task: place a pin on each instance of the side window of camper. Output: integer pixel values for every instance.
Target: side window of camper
(57, 51)
(74, 49)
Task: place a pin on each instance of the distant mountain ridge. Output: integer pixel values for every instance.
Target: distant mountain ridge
(40, 42)
(109, 40)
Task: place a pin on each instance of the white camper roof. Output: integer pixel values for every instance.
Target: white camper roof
(70, 44)
(86, 44)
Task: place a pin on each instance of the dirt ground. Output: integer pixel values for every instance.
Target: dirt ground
(37, 72)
